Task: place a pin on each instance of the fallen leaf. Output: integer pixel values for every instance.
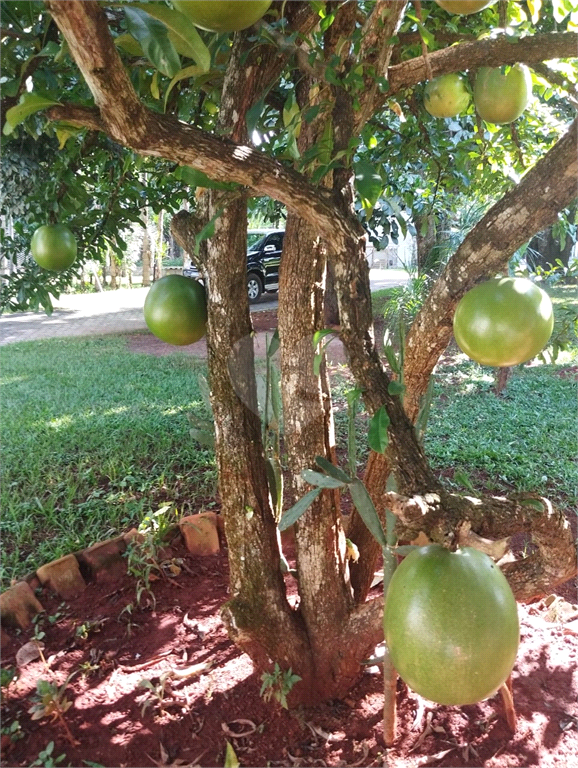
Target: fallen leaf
(29, 652)
(234, 734)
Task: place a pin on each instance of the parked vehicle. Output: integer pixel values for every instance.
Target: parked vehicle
(263, 259)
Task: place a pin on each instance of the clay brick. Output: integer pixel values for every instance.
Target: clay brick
(105, 560)
(62, 576)
(133, 535)
(18, 605)
(200, 533)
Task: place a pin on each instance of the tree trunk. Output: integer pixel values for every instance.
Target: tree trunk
(113, 270)
(426, 233)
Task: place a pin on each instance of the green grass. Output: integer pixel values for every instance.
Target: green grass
(93, 438)
(523, 440)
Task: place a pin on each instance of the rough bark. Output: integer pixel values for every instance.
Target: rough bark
(258, 615)
(455, 520)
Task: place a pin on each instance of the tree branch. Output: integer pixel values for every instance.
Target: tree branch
(454, 520)
(533, 205)
(492, 52)
(128, 122)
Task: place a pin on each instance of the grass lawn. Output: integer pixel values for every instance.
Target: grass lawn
(95, 437)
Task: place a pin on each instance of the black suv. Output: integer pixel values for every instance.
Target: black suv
(263, 258)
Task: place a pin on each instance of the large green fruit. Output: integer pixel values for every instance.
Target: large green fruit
(501, 94)
(504, 321)
(175, 310)
(446, 96)
(464, 7)
(223, 15)
(53, 247)
(451, 624)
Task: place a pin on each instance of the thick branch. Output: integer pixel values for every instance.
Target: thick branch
(451, 519)
(128, 122)
(533, 205)
(492, 52)
(376, 51)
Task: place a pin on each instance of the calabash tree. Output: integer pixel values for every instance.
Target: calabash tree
(296, 97)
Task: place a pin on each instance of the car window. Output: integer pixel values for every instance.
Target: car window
(256, 246)
(276, 240)
(254, 239)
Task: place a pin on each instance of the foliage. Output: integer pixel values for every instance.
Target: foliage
(278, 684)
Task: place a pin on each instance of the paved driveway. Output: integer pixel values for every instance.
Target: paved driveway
(97, 314)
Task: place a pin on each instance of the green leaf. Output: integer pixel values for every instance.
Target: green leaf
(183, 74)
(318, 335)
(367, 511)
(231, 759)
(30, 102)
(195, 178)
(368, 183)
(273, 344)
(462, 478)
(202, 436)
(181, 32)
(331, 469)
(396, 388)
(535, 503)
(207, 231)
(128, 44)
(253, 115)
(377, 436)
(294, 513)
(321, 481)
(154, 40)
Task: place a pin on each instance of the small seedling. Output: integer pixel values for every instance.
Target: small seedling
(51, 702)
(13, 731)
(278, 685)
(45, 758)
(156, 692)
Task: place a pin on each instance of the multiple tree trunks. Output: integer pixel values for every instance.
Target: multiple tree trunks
(333, 628)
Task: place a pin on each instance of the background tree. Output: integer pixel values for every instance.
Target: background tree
(295, 96)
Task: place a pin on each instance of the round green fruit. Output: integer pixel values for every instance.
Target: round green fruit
(223, 15)
(175, 310)
(464, 7)
(504, 321)
(446, 96)
(501, 96)
(451, 624)
(53, 247)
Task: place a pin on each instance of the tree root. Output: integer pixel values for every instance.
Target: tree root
(488, 524)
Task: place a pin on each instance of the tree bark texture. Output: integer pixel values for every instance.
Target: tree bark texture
(258, 616)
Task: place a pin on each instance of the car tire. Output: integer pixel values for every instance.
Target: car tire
(254, 287)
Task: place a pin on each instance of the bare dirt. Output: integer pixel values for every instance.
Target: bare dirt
(158, 683)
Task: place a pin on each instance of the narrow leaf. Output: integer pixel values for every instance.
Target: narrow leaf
(294, 513)
(203, 437)
(318, 335)
(377, 436)
(367, 511)
(231, 759)
(154, 40)
(181, 32)
(29, 103)
(195, 178)
(321, 481)
(128, 44)
(273, 344)
(331, 470)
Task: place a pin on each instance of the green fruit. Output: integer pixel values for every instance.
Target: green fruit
(501, 96)
(451, 624)
(53, 247)
(223, 15)
(464, 7)
(504, 321)
(175, 310)
(446, 96)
